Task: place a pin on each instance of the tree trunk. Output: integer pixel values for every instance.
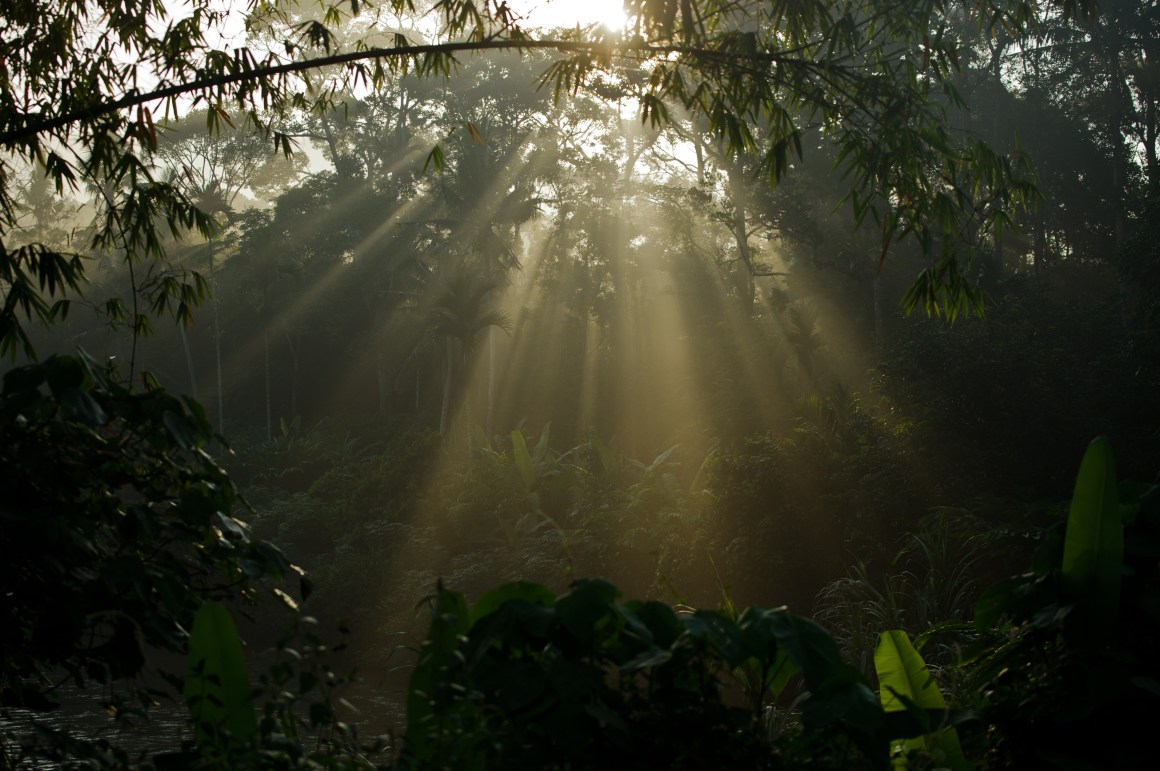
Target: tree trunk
(741, 235)
(384, 381)
(998, 50)
(269, 409)
(332, 146)
(1121, 100)
(1152, 166)
(188, 360)
(294, 341)
(443, 414)
(490, 380)
(217, 341)
(878, 315)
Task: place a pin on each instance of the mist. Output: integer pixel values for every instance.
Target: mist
(472, 332)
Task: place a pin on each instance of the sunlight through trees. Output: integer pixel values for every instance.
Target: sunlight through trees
(736, 305)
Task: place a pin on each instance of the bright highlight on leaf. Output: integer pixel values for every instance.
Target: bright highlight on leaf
(906, 684)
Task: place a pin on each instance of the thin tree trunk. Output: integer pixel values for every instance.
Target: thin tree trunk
(878, 316)
(293, 342)
(490, 379)
(1121, 100)
(217, 341)
(447, 389)
(188, 361)
(332, 146)
(997, 75)
(269, 409)
(700, 160)
(1151, 165)
(741, 235)
(381, 371)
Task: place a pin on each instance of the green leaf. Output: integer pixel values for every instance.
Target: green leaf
(651, 657)
(70, 382)
(1093, 547)
(524, 591)
(480, 438)
(523, 461)
(662, 623)
(606, 453)
(449, 623)
(757, 629)
(906, 685)
(1003, 597)
(434, 159)
(84, 406)
(217, 688)
(541, 448)
(179, 429)
(838, 692)
(582, 609)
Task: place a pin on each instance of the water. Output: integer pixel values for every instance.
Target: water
(167, 725)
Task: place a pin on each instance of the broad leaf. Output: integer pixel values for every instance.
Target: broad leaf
(525, 591)
(523, 461)
(606, 453)
(1093, 548)
(906, 685)
(583, 609)
(217, 687)
(838, 692)
(541, 448)
(449, 622)
(480, 438)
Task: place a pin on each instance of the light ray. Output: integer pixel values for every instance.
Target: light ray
(569, 13)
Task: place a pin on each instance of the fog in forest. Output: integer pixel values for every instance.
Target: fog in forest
(473, 331)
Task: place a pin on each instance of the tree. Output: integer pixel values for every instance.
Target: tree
(216, 169)
(872, 74)
(84, 85)
(489, 188)
(460, 313)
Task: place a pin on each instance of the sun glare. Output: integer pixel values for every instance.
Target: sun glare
(569, 13)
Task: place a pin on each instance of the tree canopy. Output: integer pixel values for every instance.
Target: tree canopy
(85, 86)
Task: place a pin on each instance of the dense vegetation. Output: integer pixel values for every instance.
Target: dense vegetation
(799, 313)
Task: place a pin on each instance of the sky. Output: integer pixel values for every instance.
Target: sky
(566, 13)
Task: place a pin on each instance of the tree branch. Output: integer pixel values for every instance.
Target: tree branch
(564, 46)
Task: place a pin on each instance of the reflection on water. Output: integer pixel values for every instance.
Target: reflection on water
(83, 716)
(167, 725)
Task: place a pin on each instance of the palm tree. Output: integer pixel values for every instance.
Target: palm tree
(460, 313)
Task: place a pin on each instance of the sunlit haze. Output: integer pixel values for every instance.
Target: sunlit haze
(568, 13)
(577, 387)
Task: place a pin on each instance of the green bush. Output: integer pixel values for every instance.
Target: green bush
(528, 680)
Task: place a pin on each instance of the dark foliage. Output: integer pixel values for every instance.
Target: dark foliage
(115, 525)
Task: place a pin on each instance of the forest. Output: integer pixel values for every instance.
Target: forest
(469, 384)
